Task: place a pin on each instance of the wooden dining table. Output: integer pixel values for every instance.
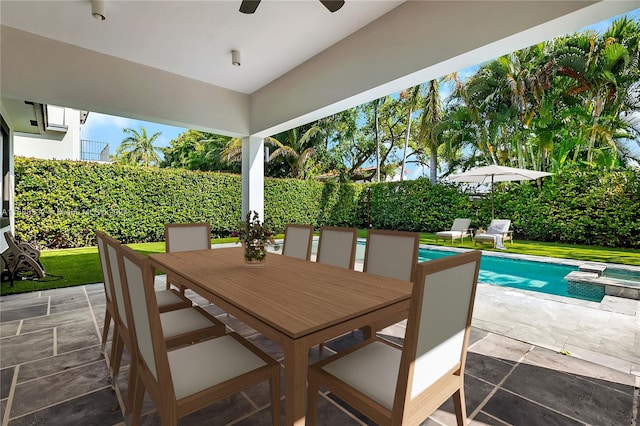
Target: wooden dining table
(296, 303)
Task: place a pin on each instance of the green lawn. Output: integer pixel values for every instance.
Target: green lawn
(71, 267)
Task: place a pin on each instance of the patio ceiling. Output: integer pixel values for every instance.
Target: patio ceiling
(170, 61)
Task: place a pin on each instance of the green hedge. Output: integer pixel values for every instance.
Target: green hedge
(59, 204)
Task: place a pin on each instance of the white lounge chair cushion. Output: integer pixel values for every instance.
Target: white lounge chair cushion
(167, 297)
(449, 234)
(486, 237)
(202, 365)
(372, 370)
(181, 321)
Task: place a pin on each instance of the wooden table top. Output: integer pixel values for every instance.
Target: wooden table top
(297, 297)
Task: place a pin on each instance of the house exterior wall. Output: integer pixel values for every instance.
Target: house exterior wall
(60, 144)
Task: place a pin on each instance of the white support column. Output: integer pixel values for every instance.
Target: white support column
(253, 175)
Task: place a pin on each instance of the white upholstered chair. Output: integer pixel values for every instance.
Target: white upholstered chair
(167, 300)
(393, 254)
(337, 246)
(185, 237)
(180, 326)
(393, 385)
(110, 313)
(297, 241)
(459, 230)
(186, 379)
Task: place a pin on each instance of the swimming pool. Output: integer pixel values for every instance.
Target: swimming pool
(542, 277)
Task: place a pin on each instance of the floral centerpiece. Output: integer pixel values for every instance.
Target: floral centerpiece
(255, 236)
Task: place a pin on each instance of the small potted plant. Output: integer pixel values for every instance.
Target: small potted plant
(255, 236)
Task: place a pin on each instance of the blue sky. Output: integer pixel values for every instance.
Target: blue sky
(108, 128)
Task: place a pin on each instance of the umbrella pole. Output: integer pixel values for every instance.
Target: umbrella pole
(492, 206)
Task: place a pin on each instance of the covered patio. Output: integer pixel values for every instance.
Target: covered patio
(170, 62)
(53, 371)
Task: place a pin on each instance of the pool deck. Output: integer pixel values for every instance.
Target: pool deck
(534, 359)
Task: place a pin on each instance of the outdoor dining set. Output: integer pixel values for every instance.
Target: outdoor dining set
(185, 359)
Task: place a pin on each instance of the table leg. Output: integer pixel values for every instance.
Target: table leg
(296, 361)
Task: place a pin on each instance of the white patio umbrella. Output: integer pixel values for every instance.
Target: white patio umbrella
(495, 173)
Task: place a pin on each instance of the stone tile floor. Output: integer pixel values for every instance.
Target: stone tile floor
(52, 370)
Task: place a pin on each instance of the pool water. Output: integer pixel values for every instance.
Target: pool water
(622, 274)
(523, 274)
(542, 277)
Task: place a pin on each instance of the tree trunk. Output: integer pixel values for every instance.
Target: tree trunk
(433, 164)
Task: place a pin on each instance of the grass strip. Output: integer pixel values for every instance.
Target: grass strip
(79, 266)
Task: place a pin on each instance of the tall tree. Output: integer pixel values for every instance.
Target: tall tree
(195, 150)
(295, 150)
(138, 148)
(430, 118)
(412, 96)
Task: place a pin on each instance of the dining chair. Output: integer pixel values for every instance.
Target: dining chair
(167, 300)
(337, 246)
(297, 241)
(185, 237)
(393, 254)
(187, 379)
(110, 314)
(180, 326)
(395, 385)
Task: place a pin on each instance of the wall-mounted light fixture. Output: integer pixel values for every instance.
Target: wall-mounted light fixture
(97, 9)
(235, 58)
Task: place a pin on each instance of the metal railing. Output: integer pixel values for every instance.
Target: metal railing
(94, 150)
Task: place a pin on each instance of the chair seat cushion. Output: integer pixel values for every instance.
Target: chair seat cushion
(372, 370)
(206, 364)
(167, 297)
(181, 321)
(485, 237)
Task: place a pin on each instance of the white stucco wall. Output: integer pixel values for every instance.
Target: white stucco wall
(52, 144)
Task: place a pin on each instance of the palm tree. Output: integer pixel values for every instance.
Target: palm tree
(430, 118)
(412, 96)
(292, 149)
(137, 148)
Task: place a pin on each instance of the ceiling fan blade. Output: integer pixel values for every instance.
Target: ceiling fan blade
(249, 6)
(332, 5)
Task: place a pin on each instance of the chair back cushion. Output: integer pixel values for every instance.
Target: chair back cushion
(187, 236)
(393, 254)
(104, 265)
(112, 257)
(499, 226)
(460, 224)
(445, 293)
(337, 246)
(134, 280)
(297, 241)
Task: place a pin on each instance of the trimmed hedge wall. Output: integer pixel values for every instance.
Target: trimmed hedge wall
(59, 204)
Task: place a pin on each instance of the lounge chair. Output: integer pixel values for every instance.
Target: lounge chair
(459, 229)
(497, 233)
